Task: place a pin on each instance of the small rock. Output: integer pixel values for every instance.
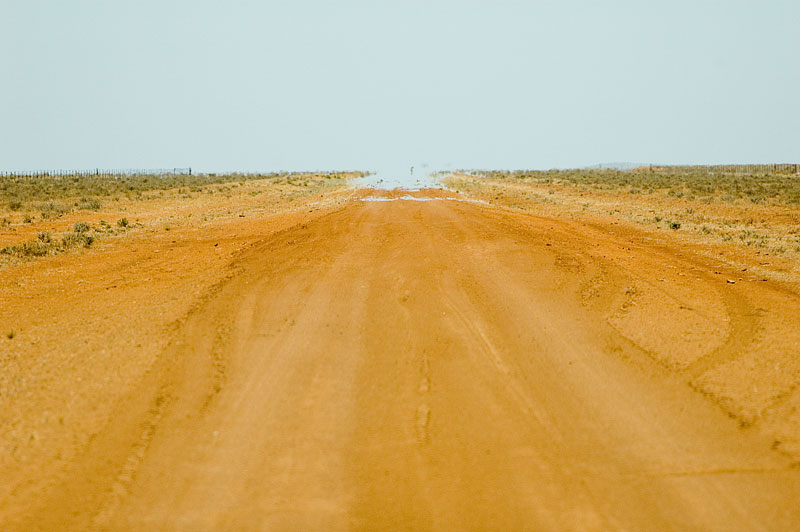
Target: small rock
(731, 281)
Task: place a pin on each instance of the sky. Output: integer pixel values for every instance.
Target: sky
(320, 85)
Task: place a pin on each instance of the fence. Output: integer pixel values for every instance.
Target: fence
(742, 169)
(98, 172)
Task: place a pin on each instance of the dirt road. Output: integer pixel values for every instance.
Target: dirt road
(433, 365)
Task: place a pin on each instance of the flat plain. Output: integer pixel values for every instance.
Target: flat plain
(519, 351)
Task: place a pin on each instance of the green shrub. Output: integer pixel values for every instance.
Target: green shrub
(81, 227)
(88, 204)
(33, 248)
(75, 239)
(49, 209)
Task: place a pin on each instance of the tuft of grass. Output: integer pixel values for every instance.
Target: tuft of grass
(81, 227)
(75, 239)
(122, 222)
(32, 248)
(11, 334)
(46, 244)
(88, 204)
(50, 209)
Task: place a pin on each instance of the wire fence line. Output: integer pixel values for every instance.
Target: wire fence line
(742, 169)
(98, 172)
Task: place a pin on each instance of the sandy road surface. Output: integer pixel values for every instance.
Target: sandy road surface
(435, 365)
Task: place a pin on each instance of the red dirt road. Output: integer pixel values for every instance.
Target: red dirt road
(438, 365)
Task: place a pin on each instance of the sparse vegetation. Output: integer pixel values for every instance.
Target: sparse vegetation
(83, 191)
(45, 244)
(88, 204)
(75, 239)
(50, 209)
(758, 210)
(675, 181)
(32, 248)
(54, 197)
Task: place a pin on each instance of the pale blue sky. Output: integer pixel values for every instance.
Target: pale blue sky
(223, 85)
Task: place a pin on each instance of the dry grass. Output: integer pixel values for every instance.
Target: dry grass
(46, 244)
(48, 215)
(693, 183)
(53, 196)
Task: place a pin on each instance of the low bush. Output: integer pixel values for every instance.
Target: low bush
(45, 244)
(32, 248)
(76, 238)
(49, 209)
(81, 227)
(88, 204)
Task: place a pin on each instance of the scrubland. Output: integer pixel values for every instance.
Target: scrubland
(49, 215)
(759, 213)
